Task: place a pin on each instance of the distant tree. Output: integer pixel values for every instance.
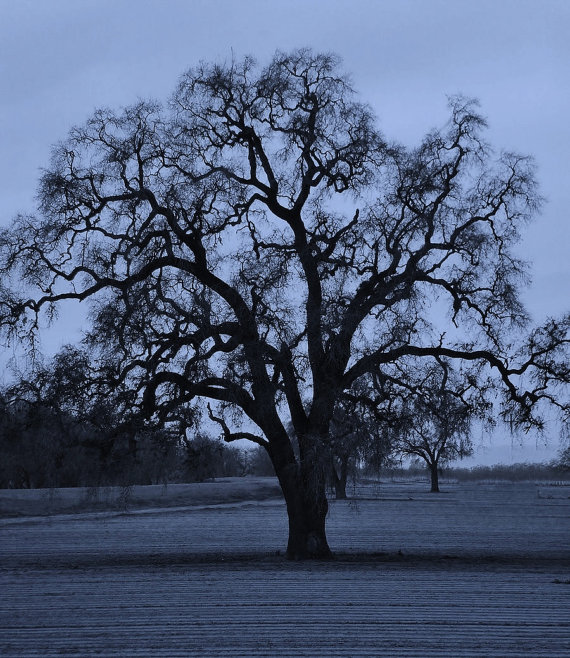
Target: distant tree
(33, 450)
(347, 435)
(205, 458)
(358, 435)
(259, 244)
(259, 462)
(63, 426)
(563, 460)
(435, 423)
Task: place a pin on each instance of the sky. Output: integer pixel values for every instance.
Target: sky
(61, 59)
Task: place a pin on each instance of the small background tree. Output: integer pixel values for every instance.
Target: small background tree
(435, 422)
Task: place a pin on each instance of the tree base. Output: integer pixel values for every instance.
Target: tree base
(309, 547)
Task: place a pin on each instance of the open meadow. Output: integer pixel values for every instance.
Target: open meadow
(481, 569)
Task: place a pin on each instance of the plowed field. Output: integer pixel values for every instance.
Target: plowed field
(480, 570)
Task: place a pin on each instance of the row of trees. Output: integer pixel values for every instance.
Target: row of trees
(59, 429)
(59, 426)
(428, 420)
(257, 245)
(56, 431)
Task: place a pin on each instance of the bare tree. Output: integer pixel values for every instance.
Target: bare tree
(563, 460)
(436, 418)
(359, 434)
(347, 435)
(257, 243)
(64, 426)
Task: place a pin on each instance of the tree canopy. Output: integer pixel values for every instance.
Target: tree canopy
(257, 242)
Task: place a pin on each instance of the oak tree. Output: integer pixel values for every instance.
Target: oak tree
(257, 243)
(435, 418)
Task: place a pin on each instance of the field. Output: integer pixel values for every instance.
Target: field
(197, 570)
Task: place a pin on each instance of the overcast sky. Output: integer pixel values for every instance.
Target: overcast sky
(60, 59)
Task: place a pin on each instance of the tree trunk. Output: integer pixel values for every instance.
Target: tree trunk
(307, 506)
(340, 488)
(434, 478)
(340, 480)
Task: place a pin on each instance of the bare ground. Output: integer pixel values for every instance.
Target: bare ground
(481, 570)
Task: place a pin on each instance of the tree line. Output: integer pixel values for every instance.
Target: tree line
(58, 429)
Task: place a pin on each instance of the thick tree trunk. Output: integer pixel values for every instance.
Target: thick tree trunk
(307, 508)
(434, 478)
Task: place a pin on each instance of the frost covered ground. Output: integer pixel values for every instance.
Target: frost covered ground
(197, 570)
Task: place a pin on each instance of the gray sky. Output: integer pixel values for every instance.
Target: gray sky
(60, 59)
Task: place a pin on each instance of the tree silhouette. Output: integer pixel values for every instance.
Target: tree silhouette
(64, 426)
(259, 244)
(359, 434)
(435, 419)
